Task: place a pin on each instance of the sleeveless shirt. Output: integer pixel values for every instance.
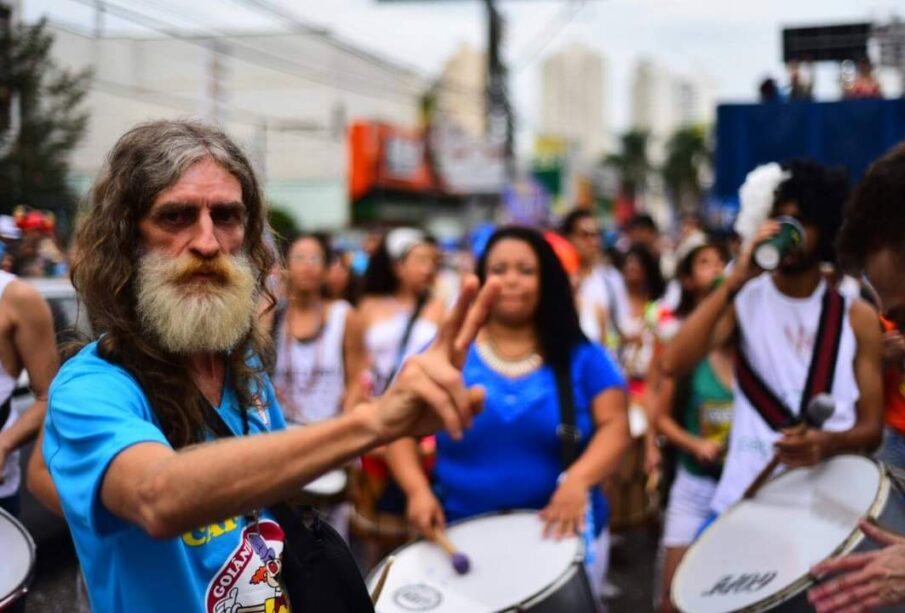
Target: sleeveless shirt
(777, 334)
(310, 373)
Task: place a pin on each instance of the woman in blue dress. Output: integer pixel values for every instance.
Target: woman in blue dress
(511, 458)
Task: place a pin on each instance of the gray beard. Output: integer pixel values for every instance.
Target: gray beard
(209, 318)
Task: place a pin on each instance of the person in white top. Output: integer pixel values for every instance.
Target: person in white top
(320, 354)
(396, 290)
(600, 284)
(872, 243)
(26, 342)
(774, 320)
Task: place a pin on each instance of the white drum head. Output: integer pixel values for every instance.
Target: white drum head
(510, 563)
(329, 484)
(763, 547)
(18, 553)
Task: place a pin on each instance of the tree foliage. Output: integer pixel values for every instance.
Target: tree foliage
(687, 154)
(34, 161)
(632, 162)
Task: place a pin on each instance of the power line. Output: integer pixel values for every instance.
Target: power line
(242, 51)
(190, 105)
(549, 33)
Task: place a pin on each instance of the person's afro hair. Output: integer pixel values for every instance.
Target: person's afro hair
(820, 193)
(875, 215)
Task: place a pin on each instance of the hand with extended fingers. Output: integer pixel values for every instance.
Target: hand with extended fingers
(868, 581)
(429, 393)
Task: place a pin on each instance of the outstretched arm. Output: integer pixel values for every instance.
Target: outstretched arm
(167, 492)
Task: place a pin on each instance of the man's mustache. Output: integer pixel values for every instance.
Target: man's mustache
(219, 269)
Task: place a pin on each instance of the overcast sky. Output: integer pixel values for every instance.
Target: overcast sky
(735, 43)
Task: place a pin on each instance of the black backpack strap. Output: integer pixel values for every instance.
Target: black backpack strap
(822, 369)
(567, 431)
(319, 572)
(5, 411)
(407, 334)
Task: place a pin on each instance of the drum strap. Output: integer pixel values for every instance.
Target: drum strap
(821, 371)
(567, 432)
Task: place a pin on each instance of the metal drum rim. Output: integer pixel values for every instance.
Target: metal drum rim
(22, 588)
(806, 580)
(533, 598)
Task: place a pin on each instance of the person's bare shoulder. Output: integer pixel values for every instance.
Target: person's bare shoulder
(865, 320)
(23, 298)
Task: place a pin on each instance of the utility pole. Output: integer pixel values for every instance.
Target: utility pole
(500, 121)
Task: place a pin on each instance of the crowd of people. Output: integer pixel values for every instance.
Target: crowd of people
(227, 371)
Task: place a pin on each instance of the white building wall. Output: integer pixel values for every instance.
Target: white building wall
(292, 125)
(572, 99)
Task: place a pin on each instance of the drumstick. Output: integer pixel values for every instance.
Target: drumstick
(818, 410)
(459, 560)
(383, 579)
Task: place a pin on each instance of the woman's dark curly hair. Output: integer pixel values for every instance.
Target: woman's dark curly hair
(654, 282)
(875, 215)
(556, 319)
(820, 193)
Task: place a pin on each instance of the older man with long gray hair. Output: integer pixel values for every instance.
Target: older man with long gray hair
(171, 263)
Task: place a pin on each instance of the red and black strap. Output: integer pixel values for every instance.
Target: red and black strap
(821, 371)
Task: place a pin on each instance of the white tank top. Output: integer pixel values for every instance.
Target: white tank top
(382, 340)
(310, 374)
(11, 470)
(777, 335)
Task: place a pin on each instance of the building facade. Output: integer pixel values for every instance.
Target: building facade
(287, 97)
(573, 106)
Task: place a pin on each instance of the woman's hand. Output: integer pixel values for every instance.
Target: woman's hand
(425, 513)
(707, 452)
(564, 515)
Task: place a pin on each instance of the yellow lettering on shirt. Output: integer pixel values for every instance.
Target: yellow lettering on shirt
(202, 536)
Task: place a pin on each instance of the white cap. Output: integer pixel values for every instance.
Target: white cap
(8, 227)
(401, 240)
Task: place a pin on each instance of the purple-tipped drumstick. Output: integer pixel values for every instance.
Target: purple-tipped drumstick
(459, 560)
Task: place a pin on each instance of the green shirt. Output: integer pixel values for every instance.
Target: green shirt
(708, 415)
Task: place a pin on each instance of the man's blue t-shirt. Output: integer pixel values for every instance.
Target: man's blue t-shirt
(510, 458)
(97, 410)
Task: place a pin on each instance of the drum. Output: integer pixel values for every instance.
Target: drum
(18, 560)
(513, 568)
(756, 556)
(328, 489)
(633, 500)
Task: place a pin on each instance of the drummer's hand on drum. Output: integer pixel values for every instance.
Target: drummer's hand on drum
(871, 580)
(429, 394)
(425, 513)
(565, 514)
(798, 449)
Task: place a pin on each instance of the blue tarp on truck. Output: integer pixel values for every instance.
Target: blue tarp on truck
(849, 133)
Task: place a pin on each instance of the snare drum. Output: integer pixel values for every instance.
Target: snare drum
(756, 556)
(632, 501)
(18, 560)
(513, 568)
(328, 489)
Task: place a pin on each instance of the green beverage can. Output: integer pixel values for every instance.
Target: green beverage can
(769, 253)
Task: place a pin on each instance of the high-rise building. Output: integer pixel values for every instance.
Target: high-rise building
(663, 101)
(573, 106)
(461, 89)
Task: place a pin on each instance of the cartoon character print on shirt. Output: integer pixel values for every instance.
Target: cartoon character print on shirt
(249, 580)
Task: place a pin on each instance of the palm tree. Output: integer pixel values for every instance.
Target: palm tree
(688, 154)
(632, 163)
